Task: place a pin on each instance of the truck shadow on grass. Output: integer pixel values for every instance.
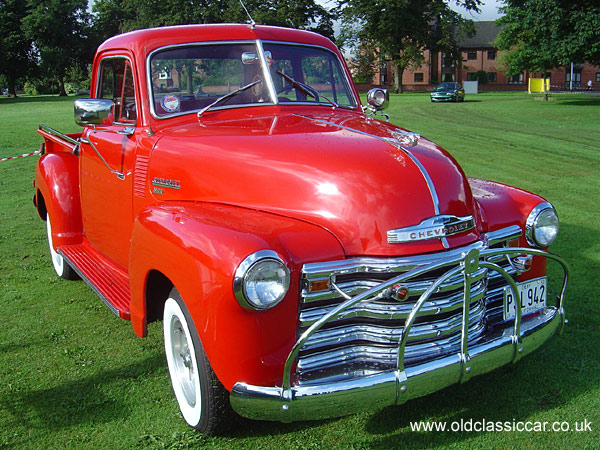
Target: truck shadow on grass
(550, 379)
(85, 400)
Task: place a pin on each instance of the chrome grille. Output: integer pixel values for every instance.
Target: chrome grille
(363, 339)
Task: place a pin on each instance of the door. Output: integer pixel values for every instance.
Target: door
(106, 162)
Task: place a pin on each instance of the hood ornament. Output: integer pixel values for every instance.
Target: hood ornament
(437, 227)
(406, 137)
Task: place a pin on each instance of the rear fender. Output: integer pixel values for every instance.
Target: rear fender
(57, 182)
(198, 247)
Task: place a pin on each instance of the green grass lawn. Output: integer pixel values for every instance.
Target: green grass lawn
(72, 375)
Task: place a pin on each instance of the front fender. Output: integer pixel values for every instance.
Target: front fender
(57, 181)
(501, 206)
(198, 247)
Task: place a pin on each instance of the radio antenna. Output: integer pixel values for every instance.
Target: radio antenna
(252, 22)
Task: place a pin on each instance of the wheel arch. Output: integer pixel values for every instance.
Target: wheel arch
(196, 248)
(157, 289)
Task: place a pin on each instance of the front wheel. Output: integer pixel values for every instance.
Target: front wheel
(201, 397)
(61, 267)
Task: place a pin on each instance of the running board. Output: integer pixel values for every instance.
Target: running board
(109, 283)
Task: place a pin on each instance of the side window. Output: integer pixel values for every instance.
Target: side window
(116, 84)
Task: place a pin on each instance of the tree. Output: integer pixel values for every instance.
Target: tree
(539, 35)
(59, 30)
(116, 16)
(402, 29)
(16, 53)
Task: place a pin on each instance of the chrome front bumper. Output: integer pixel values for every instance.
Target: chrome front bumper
(503, 345)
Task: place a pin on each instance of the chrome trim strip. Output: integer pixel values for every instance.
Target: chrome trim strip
(505, 234)
(382, 311)
(356, 287)
(267, 73)
(398, 145)
(53, 132)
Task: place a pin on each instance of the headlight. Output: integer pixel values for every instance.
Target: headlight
(378, 98)
(541, 228)
(261, 280)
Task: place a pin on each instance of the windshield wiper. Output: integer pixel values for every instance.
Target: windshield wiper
(228, 95)
(306, 88)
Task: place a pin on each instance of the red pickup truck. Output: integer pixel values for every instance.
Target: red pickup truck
(307, 259)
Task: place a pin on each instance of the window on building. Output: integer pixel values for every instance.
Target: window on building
(491, 77)
(492, 54)
(472, 54)
(598, 76)
(418, 77)
(471, 76)
(448, 77)
(516, 79)
(576, 79)
(383, 73)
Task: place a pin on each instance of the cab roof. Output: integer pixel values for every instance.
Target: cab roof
(150, 39)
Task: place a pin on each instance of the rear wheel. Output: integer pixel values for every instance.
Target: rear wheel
(61, 266)
(202, 399)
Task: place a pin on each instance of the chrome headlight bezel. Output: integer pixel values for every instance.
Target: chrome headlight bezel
(378, 98)
(541, 228)
(247, 279)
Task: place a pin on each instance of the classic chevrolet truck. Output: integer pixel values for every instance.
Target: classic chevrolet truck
(307, 259)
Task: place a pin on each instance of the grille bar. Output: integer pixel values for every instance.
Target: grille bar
(381, 334)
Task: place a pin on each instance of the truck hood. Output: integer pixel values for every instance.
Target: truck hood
(343, 171)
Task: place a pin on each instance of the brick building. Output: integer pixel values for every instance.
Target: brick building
(479, 54)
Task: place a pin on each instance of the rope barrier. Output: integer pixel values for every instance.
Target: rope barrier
(24, 155)
(21, 156)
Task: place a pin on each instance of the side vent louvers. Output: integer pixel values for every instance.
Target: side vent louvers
(140, 176)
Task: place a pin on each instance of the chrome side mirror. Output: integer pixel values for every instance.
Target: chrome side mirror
(94, 111)
(249, 58)
(378, 98)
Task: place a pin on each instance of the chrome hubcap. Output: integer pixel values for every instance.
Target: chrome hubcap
(182, 358)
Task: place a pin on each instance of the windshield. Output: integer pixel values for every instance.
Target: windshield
(316, 68)
(188, 79)
(446, 86)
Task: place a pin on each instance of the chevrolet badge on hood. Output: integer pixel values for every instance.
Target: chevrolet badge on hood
(437, 227)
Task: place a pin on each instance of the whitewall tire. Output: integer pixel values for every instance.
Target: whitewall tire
(202, 399)
(61, 267)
